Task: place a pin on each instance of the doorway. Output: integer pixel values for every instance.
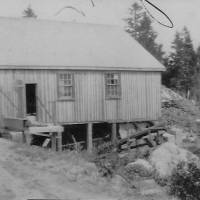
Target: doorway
(31, 99)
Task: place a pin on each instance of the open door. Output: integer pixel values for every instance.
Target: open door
(31, 99)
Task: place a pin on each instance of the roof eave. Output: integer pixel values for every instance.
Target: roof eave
(98, 68)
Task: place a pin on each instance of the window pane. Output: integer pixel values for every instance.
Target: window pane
(67, 91)
(67, 82)
(116, 76)
(112, 85)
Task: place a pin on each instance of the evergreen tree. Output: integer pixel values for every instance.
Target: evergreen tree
(181, 64)
(196, 87)
(134, 20)
(140, 27)
(29, 13)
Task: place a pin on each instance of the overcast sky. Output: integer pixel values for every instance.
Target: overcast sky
(182, 12)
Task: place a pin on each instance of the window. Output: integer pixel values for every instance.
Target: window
(113, 89)
(65, 86)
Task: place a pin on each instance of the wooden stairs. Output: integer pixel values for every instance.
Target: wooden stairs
(52, 132)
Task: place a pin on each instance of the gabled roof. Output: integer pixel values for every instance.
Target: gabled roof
(32, 43)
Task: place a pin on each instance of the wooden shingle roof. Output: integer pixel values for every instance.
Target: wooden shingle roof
(42, 44)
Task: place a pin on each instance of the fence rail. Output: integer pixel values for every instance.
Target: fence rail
(81, 144)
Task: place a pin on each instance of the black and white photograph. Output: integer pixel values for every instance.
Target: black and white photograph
(99, 100)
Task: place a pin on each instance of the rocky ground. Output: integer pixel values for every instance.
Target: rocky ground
(31, 172)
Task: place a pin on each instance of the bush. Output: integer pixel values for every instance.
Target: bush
(105, 147)
(108, 164)
(185, 181)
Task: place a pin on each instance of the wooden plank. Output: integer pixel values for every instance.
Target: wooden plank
(40, 134)
(17, 124)
(53, 141)
(46, 142)
(144, 132)
(43, 129)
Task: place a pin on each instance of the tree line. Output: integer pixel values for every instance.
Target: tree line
(182, 63)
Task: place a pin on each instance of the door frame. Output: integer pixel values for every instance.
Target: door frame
(36, 93)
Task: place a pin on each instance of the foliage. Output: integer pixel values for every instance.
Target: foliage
(107, 159)
(185, 181)
(140, 27)
(108, 164)
(181, 64)
(29, 13)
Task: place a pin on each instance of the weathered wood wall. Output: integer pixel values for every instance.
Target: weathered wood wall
(140, 98)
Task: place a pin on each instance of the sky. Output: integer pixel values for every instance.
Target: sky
(182, 12)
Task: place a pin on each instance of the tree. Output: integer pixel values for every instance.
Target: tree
(196, 86)
(181, 64)
(29, 12)
(134, 21)
(140, 27)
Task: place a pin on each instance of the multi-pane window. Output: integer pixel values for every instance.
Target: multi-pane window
(113, 88)
(65, 86)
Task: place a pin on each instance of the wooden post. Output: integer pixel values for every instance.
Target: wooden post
(59, 137)
(114, 133)
(24, 136)
(53, 141)
(54, 112)
(89, 138)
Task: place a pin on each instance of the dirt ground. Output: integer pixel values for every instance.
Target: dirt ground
(32, 172)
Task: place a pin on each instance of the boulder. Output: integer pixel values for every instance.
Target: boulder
(140, 168)
(169, 138)
(166, 157)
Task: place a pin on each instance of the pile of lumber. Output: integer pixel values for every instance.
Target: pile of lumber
(149, 136)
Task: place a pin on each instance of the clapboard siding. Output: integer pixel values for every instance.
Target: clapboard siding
(140, 97)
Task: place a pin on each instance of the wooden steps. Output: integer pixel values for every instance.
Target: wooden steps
(54, 132)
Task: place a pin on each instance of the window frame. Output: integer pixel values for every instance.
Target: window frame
(118, 85)
(66, 98)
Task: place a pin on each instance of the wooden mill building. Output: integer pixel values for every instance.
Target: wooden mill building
(73, 73)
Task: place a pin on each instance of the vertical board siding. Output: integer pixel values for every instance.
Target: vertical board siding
(46, 89)
(153, 94)
(133, 100)
(88, 96)
(140, 97)
(65, 111)
(110, 110)
(7, 95)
